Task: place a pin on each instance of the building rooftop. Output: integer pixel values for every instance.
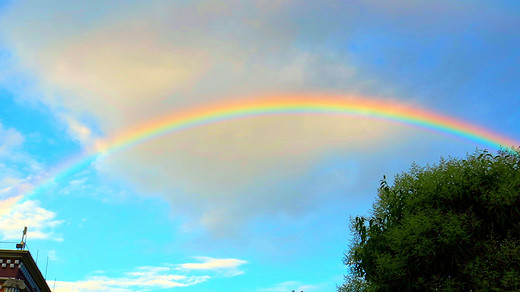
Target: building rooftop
(18, 270)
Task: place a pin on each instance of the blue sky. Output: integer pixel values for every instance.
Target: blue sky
(258, 204)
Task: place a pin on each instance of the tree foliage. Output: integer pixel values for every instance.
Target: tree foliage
(454, 226)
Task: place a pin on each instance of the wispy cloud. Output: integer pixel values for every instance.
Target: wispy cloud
(19, 172)
(152, 280)
(292, 286)
(10, 139)
(11, 185)
(12, 154)
(148, 278)
(227, 267)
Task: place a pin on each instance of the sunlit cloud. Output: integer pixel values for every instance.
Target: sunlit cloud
(15, 216)
(228, 267)
(6, 205)
(148, 278)
(77, 130)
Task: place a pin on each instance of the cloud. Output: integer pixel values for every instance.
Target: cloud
(12, 152)
(11, 185)
(6, 205)
(226, 174)
(292, 286)
(137, 62)
(19, 172)
(52, 254)
(149, 278)
(149, 282)
(228, 267)
(15, 216)
(11, 139)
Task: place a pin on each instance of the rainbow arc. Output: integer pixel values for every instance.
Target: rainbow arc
(284, 105)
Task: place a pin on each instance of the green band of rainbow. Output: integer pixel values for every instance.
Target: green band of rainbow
(287, 105)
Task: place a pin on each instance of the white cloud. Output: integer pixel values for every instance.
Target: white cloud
(148, 282)
(14, 216)
(77, 130)
(227, 267)
(52, 254)
(292, 286)
(148, 278)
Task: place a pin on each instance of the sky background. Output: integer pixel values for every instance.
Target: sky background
(256, 204)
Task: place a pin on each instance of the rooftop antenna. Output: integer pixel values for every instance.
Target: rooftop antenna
(21, 245)
(46, 265)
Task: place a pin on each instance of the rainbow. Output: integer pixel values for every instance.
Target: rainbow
(283, 105)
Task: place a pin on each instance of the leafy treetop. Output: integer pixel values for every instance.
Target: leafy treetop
(454, 226)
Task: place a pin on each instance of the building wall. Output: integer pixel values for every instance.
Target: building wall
(9, 267)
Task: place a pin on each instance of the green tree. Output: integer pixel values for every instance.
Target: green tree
(454, 226)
